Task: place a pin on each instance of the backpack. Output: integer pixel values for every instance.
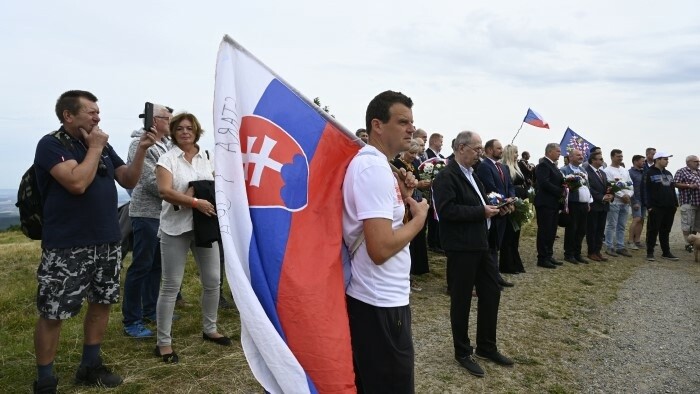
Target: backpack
(29, 200)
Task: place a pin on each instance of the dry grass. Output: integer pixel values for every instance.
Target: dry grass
(545, 324)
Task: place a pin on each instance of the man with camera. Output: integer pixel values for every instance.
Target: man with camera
(142, 282)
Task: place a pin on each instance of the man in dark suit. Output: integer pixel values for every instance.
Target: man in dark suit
(496, 178)
(549, 188)
(464, 221)
(598, 185)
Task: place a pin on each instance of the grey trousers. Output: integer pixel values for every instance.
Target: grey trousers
(173, 251)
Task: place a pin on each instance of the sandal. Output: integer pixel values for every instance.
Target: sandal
(171, 358)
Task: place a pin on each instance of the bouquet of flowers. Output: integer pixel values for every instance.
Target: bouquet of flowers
(430, 168)
(618, 185)
(523, 213)
(494, 198)
(574, 181)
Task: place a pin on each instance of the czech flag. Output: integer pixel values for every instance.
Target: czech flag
(534, 119)
(571, 140)
(280, 163)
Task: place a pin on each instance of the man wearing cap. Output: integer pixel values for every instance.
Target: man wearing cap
(661, 204)
(687, 181)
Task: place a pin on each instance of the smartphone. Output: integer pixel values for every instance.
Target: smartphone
(147, 116)
(503, 204)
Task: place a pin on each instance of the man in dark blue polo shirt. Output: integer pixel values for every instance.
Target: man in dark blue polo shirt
(81, 249)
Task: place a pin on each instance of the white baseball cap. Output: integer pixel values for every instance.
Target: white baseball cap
(659, 155)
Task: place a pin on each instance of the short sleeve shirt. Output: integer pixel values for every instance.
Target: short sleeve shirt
(172, 221)
(71, 220)
(688, 196)
(371, 191)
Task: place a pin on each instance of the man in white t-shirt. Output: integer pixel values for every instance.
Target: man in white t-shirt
(375, 201)
(619, 207)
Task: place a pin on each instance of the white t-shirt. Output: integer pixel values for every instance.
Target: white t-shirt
(623, 175)
(174, 222)
(371, 191)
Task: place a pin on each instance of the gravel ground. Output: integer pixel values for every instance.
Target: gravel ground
(653, 331)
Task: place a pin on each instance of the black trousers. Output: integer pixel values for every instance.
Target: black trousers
(547, 219)
(467, 270)
(595, 231)
(659, 224)
(509, 256)
(433, 230)
(382, 347)
(576, 229)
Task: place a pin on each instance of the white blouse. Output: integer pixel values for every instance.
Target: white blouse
(175, 222)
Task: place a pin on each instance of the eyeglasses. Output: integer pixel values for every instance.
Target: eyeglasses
(478, 149)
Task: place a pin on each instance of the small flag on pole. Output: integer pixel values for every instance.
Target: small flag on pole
(534, 119)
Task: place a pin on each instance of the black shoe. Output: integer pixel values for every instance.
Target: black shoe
(503, 283)
(97, 376)
(468, 363)
(689, 248)
(46, 385)
(669, 256)
(223, 341)
(170, 358)
(496, 357)
(570, 260)
(650, 257)
(546, 264)
(581, 260)
(555, 261)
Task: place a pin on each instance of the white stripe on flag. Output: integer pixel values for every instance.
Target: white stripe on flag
(240, 82)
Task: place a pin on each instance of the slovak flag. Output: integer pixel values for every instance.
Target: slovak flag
(280, 163)
(534, 119)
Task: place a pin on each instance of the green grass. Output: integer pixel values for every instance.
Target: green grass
(546, 323)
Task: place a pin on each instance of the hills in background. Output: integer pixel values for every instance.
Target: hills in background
(9, 214)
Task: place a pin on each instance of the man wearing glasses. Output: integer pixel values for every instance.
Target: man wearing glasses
(661, 204)
(81, 240)
(142, 282)
(465, 218)
(687, 181)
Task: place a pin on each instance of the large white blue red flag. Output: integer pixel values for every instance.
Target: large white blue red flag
(280, 162)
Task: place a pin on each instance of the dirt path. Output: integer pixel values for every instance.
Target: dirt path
(652, 341)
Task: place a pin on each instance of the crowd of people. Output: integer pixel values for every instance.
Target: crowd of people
(401, 200)
(170, 180)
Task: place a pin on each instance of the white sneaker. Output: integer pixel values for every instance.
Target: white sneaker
(632, 246)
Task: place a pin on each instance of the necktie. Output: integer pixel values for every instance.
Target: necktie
(600, 175)
(500, 171)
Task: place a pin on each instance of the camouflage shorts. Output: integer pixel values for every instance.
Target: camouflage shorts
(67, 276)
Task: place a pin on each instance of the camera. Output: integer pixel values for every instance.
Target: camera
(147, 116)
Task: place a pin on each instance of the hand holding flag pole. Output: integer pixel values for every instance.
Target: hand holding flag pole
(534, 119)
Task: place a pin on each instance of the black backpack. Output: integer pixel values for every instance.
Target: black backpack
(29, 200)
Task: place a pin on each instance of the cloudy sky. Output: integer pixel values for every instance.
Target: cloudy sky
(623, 74)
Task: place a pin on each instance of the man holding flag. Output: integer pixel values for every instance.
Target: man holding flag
(375, 201)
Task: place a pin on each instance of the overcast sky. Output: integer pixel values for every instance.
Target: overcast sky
(623, 74)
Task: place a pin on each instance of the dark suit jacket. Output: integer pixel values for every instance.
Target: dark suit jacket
(461, 213)
(549, 184)
(491, 178)
(429, 152)
(597, 188)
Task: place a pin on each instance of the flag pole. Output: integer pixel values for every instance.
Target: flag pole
(518, 132)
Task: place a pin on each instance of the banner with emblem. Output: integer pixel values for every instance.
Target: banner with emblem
(280, 162)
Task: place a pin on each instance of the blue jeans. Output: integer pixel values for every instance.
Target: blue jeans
(615, 226)
(142, 282)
